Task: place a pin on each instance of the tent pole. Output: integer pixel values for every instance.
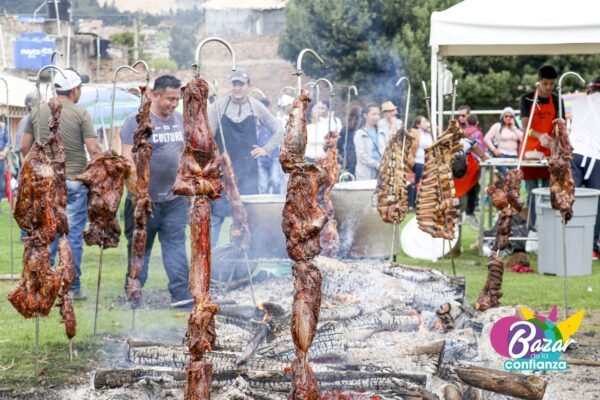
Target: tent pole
(433, 93)
(440, 94)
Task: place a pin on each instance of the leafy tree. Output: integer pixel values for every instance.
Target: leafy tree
(183, 44)
(371, 43)
(163, 64)
(126, 39)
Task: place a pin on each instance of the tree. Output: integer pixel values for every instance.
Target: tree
(371, 43)
(183, 44)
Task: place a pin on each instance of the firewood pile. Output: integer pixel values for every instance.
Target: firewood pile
(399, 333)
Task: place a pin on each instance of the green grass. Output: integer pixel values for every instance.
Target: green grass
(17, 333)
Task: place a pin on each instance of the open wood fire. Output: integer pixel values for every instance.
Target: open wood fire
(400, 333)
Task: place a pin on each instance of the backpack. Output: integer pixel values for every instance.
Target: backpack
(459, 164)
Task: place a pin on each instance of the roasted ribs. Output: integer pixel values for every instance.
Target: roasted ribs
(392, 185)
(330, 238)
(436, 205)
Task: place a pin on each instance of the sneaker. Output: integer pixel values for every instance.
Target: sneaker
(77, 295)
(182, 303)
(595, 255)
(472, 221)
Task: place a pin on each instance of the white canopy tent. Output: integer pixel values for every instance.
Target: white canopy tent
(510, 27)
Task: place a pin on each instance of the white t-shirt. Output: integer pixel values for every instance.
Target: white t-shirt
(316, 133)
(585, 128)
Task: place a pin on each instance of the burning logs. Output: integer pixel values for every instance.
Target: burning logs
(105, 178)
(199, 175)
(392, 188)
(562, 185)
(508, 201)
(142, 150)
(436, 205)
(303, 220)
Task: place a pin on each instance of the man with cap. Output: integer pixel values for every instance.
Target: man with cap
(78, 135)
(541, 132)
(390, 123)
(239, 116)
(170, 213)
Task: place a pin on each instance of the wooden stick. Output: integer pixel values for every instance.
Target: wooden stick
(37, 343)
(587, 363)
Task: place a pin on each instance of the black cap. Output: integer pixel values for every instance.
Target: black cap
(240, 75)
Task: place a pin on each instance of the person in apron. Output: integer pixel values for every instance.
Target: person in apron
(239, 116)
(540, 135)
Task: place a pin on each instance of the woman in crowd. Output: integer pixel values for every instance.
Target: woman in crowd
(318, 127)
(421, 131)
(347, 140)
(503, 138)
(369, 143)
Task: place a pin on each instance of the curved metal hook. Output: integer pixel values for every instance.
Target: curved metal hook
(405, 79)
(54, 54)
(299, 71)
(213, 39)
(39, 94)
(112, 108)
(146, 68)
(560, 109)
(354, 89)
(328, 82)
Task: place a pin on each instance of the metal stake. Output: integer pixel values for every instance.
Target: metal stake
(10, 197)
(112, 108)
(98, 289)
(564, 227)
(71, 349)
(393, 243)
(299, 71)
(564, 240)
(250, 278)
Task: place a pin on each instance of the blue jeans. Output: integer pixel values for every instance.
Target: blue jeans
(169, 220)
(504, 170)
(77, 196)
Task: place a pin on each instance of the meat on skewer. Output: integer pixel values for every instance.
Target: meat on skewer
(239, 231)
(508, 201)
(330, 238)
(142, 150)
(199, 175)
(66, 270)
(56, 151)
(562, 185)
(436, 205)
(392, 188)
(105, 178)
(303, 220)
(36, 188)
(39, 285)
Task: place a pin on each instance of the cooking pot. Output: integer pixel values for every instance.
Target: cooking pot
(362, 232)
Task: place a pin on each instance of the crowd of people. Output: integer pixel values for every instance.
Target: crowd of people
(251, 134)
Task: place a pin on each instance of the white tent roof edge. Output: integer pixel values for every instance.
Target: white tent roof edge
(512, 27)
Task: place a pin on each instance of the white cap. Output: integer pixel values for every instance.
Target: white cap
(70, 81)
(285, 101)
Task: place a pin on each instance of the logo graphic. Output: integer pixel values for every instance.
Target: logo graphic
(533, 342)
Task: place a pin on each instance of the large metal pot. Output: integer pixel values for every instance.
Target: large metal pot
(264, 219)
(362, 232)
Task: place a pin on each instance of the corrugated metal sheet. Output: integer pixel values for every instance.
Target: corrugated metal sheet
(244, 4)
